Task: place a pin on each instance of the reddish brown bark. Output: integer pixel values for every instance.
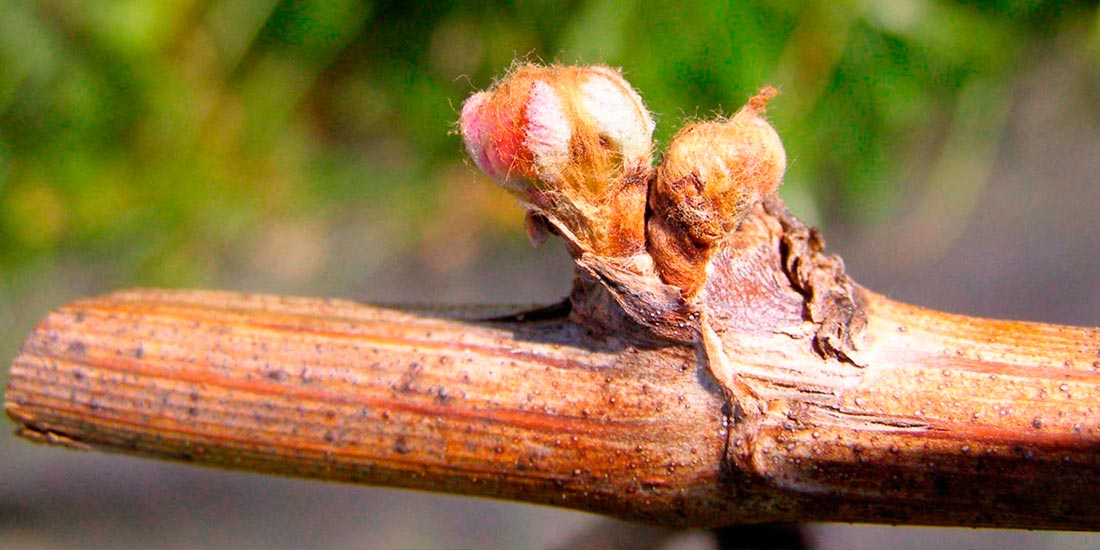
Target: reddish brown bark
(842, 405)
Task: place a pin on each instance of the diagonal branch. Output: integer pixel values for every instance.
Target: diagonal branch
(845, 405)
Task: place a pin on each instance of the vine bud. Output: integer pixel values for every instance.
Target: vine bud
(712, 175)
(574, 144)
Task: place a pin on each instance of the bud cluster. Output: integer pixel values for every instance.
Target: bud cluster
(575, 145)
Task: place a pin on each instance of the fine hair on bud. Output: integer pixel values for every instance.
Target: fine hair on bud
(574, 144)
(712, 175)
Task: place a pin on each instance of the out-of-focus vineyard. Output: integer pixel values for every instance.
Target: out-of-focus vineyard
(168, 142)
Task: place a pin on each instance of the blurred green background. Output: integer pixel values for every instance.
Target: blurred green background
(308, 147)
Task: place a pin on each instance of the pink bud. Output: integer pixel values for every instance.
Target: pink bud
(574, 143)
(554, 123)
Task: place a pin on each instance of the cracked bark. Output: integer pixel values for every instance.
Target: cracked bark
(843, 405)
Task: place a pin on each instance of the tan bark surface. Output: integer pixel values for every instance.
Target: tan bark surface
(835, 403)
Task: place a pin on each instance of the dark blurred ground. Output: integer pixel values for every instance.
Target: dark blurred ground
(320, 164)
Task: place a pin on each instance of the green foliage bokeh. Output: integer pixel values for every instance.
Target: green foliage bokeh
(158, 141)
